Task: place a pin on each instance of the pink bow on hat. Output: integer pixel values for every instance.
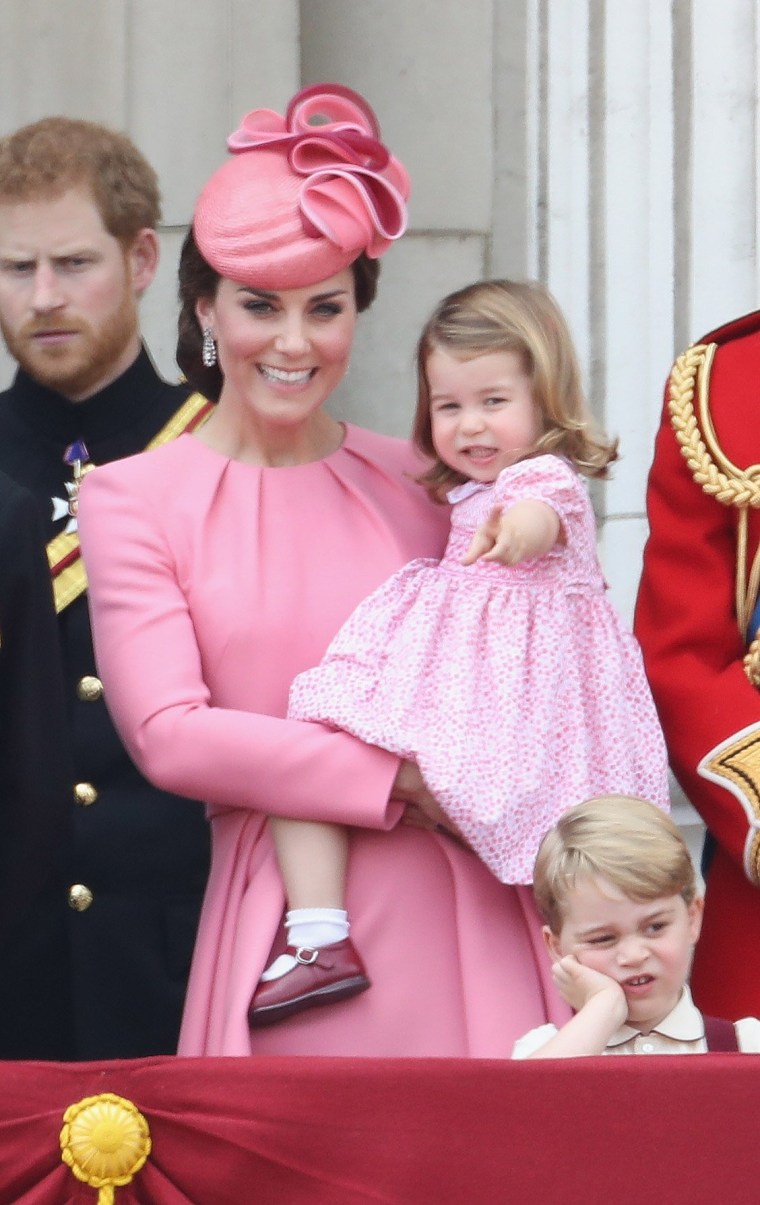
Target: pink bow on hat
(331, 138)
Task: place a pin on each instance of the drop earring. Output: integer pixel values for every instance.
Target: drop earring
(208, 352)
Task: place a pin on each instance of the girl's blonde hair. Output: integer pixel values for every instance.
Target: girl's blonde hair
(522, 317)
(627, 841)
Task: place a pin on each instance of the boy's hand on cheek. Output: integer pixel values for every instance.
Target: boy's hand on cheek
(577, 984)
(599, 1009)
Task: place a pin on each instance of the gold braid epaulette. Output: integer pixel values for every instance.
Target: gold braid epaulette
(717, 475)
(710, 467)
(64, 554)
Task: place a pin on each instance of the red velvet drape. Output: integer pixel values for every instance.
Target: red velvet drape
(413, 1131)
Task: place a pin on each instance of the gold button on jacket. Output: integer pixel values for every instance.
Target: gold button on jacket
(89, 689)
(85, 794)
(80, 897)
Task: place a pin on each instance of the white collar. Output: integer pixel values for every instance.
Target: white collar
(466, 490)
(684, 1023)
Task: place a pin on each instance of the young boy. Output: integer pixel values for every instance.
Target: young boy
(616, 886)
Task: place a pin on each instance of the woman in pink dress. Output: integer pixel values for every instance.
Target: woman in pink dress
(222, 565)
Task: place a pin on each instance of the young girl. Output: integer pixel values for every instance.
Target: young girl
(502, 670)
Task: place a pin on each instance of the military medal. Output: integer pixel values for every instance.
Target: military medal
(78, 458)
(64, 553)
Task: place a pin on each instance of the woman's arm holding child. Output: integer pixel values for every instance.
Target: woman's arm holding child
(528, 528)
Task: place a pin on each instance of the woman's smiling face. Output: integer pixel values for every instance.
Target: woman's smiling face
(282, 352)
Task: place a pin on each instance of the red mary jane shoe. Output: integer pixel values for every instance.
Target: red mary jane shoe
(320, 977)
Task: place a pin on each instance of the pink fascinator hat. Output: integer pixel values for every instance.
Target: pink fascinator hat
(302, 195)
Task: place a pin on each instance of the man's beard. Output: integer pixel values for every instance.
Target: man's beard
(75, 371)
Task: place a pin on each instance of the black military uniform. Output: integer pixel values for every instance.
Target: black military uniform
(134, 870)
(34, 965)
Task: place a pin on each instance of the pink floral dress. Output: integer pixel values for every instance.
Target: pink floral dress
(518, 690)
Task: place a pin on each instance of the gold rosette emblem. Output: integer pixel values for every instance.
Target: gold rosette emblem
(105, 1141)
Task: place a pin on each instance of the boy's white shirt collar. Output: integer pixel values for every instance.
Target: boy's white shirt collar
(684, 1023)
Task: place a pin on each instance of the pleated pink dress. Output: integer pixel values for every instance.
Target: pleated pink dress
(212, 584)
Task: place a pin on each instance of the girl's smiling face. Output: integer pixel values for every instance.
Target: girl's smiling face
(645, 946)
(483, 415)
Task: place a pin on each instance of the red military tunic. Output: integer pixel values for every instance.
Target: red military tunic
(697, 596)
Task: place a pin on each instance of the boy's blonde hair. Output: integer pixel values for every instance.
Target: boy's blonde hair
(522, 317)
(625, 840)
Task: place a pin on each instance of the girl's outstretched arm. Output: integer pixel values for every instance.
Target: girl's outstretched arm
(527, 529)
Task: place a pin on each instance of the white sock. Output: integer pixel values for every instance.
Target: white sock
(316, 927)
(310, 927)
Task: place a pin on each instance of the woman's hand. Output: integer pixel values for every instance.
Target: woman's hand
(422, 809)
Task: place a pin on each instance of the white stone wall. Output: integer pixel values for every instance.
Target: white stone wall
(608, 147)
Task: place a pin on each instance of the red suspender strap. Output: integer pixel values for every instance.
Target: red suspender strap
(720, 1036)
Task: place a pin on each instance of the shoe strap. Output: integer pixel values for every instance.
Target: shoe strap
(306, 955)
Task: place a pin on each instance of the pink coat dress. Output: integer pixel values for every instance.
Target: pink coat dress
(516, 689)
(212, 584)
